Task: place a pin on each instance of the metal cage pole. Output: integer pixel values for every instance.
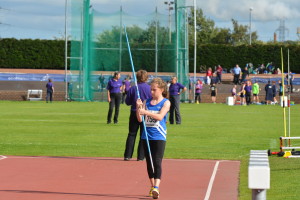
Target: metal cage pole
(66, 52)
(177, 38)
(121, 29)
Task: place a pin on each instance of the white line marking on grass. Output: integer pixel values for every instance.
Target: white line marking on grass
(2, 157)
(211, 182)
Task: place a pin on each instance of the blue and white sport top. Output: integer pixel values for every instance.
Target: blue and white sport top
(157, 130)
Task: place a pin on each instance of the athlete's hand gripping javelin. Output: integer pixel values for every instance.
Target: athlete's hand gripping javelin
(141, 107)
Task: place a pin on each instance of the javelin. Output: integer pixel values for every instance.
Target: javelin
(138, 94)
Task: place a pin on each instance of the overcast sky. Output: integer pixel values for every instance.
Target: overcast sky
(41, 19)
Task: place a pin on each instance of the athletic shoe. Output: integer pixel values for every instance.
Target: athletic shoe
(150, 192)
(126, 159)
(155, 193)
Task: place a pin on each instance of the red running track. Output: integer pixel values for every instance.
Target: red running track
(68, 178)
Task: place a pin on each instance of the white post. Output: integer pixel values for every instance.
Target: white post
(66, 52)
(195, 47)
(259, 174)
(259, 194)
(177, 39)
(156, 41)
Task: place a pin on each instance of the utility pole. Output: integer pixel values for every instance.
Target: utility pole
(281, 30)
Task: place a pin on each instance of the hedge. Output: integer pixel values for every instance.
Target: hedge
(228, 56)
(33, 54)
(49, 54)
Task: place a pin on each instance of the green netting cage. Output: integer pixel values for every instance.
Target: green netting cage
(159, 43)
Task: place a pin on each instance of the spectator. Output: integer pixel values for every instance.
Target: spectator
(245, 73)
(236, 71)
(280, 88)
(248, 92)
(290, 78)
(190, 89)
(198, 90)
(270, 68)
(175, 90)
(213, 93)
(134, 124)
(126, 86)
(209, 75)
(219, 72)
(255, 91)
(70, 91)
(262, 69)
(50, 90)
(250, 68)
(278, 71)
(269, 93)
(114, 87)
(233, 94)
(242, 94)
(101, 82)
(274, 92)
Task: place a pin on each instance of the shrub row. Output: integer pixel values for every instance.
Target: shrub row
(49, 54)
(34, 54)
(228, 56)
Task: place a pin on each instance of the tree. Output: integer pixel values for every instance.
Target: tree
(223, 36)
(240, 34)
(205, 27)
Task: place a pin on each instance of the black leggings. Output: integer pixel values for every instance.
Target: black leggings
(115, 102)
(157, 148)
(134, 126)
(198, 97)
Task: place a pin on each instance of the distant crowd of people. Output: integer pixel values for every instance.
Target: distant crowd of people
(261, 69)
(249, 90)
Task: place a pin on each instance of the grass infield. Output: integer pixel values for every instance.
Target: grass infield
(208, 131)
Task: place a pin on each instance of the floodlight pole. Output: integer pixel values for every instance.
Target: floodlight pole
(66, 52)
(156, 41)
(289, 96)
(250, 31)
(170, 7)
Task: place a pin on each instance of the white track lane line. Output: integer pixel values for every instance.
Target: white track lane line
(211, 182)
(2, 157)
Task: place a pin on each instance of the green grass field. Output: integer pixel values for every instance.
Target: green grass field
(208, 131)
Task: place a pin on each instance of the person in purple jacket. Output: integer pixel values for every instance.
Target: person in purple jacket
(134, 124)
(248, 90)
(198, 90)
(114, 87)
(175, 90)
(126, 86)
(50, 90)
